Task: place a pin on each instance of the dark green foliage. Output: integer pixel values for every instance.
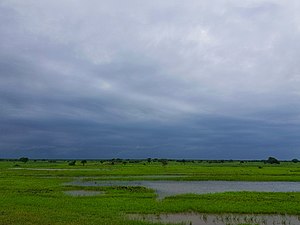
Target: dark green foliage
(164, 162)
(295, 160)
(23, 159)
(83, 162)
(182, 161)
(72, 163)
(272, 160)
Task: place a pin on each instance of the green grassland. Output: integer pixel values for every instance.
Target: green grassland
(31, 194)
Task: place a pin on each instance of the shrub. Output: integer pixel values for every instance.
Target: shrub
(164, 162)
(23, 159)
(83, 162)
(72, 163)
(272, 160)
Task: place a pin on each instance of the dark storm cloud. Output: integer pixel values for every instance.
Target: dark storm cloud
(209, 79)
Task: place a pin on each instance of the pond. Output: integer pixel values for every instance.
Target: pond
(218, 219)
(169, 188)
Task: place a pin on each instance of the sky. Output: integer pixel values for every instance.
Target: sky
(209, 79)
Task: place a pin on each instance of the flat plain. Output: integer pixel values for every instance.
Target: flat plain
(35, 192)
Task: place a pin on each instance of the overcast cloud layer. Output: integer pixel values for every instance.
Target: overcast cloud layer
(132, 79)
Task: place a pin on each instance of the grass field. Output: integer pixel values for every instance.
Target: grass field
(33, 194)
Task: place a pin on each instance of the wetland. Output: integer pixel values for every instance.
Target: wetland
(141, 193)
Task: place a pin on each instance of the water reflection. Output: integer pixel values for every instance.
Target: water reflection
(169, 188)
(218, 219)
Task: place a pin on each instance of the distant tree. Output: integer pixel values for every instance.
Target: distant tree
(72, 163)
(124, 163)
(272, 160)
(83, 162)
(164, 162)
(181, 161)
(23, 159)
(149, 160)
(295, 160)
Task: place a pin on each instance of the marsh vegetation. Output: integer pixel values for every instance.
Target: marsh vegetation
(37, 192)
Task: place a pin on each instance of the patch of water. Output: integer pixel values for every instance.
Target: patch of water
(132, 177)
(169, 188)
(145, 176)
(79, 193)
(218, 219)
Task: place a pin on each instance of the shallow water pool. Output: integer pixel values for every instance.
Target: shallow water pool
(218, 219)
(169, 188)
